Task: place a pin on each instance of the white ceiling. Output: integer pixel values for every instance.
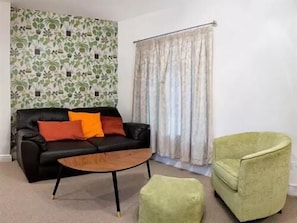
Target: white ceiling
(115, 10)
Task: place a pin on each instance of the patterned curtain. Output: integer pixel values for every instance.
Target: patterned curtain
(172, 92)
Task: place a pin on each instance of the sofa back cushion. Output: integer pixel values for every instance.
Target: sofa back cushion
(104, 111)
(27, 118)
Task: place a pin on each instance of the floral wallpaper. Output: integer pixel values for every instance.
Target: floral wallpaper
(62, 61)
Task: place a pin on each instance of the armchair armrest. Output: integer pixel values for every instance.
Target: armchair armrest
(138, 131)
(267, 151)
(270, 165)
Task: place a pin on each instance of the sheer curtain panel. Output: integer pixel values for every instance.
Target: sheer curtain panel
(172, 92)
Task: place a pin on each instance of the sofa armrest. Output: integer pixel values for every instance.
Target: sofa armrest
(28, 158)
(29, 146)
(28, 134)
(138, 131)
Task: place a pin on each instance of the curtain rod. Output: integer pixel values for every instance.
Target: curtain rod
(214, 23)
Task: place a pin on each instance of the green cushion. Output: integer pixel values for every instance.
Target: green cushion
(227, 170)
(168, 199)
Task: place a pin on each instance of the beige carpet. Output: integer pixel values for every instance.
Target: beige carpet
(90, 198)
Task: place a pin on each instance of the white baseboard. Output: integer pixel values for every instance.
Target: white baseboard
(292, 190)
(5, 158)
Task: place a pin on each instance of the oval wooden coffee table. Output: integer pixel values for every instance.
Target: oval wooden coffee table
(105, 163)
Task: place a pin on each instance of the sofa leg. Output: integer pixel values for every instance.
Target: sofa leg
(280, 211)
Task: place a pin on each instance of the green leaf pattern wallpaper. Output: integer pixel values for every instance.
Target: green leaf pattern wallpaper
(62, 61)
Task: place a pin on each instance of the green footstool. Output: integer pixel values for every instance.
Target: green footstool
(169, 199)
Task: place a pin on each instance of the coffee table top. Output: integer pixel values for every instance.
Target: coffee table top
(108, 161)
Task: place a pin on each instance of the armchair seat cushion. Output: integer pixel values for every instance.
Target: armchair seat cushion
(227, 170)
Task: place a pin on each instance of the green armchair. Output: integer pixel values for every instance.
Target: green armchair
(250, 172)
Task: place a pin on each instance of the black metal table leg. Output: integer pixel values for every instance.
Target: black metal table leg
(57, 182)
(148, 168)
(116, 193)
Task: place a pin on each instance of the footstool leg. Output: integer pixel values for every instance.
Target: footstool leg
(148, 168)
(116, 193)
(57, 182)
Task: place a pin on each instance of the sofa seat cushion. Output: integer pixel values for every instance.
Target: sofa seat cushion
(227, 170)
(113, 143)
(60, 149)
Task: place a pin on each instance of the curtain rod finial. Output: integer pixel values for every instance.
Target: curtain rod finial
(214, 23)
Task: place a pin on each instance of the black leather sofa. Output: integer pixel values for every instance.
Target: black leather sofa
(38, 158)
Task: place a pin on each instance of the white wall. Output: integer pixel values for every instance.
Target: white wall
(255, 62)
(4, 81)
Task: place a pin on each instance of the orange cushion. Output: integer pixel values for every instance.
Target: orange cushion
(52, 130)
(112, 125)
(91, 123)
